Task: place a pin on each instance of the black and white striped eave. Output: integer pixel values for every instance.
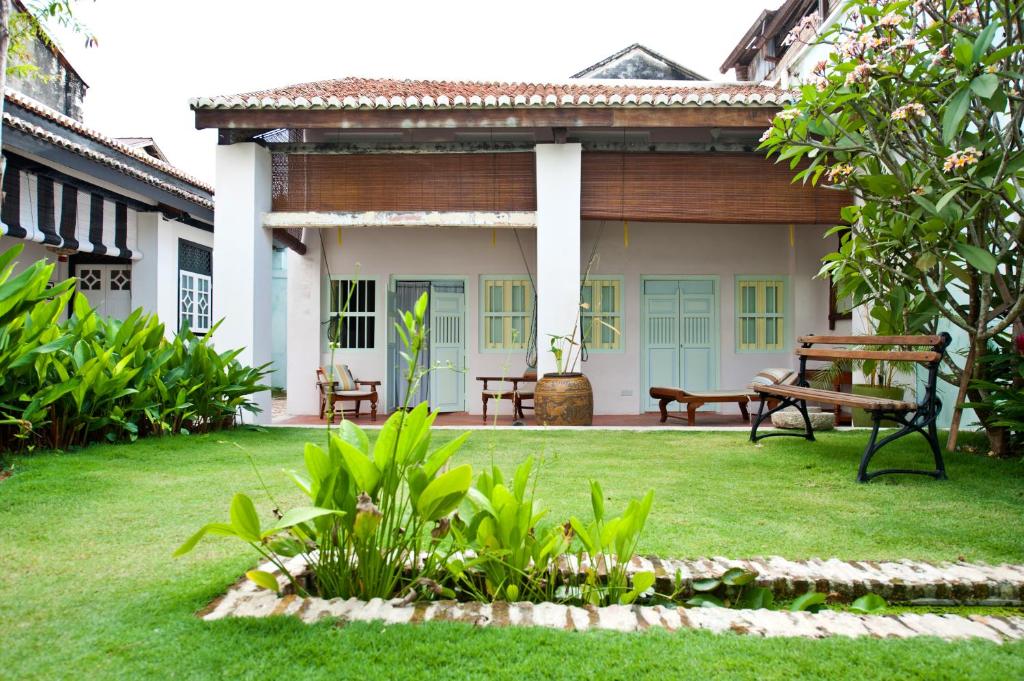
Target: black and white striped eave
(41, 209)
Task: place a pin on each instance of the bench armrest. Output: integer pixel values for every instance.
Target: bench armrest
(373, 383)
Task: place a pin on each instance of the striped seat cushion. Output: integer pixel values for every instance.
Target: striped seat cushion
(343, 376)
(774, 377)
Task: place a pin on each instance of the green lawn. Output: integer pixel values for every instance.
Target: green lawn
(88, 587)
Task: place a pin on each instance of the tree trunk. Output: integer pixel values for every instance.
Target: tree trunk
(5, 44)
(961, 397)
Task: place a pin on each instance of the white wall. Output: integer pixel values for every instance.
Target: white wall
(460, 253)
(655, 249)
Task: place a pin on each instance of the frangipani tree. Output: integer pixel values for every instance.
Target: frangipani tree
(917, 110)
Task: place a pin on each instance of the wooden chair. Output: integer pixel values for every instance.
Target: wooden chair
(330, 393)
(913, 417)
(529, 376)
(504, 393)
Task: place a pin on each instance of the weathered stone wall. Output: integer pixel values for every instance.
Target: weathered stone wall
(54, 84)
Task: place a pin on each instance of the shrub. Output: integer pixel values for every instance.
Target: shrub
(89, 378)
(382, 521)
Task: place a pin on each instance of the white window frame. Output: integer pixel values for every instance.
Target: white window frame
(371, 317)
(617, 316)
(197, 323)
(760, 315)
(507, 343)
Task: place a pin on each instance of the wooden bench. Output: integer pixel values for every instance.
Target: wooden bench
(913, 417)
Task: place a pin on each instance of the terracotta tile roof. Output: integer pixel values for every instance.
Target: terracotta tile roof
(74, 147)
(383, 93)
(43, 111)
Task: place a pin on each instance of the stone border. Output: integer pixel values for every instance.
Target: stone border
(903, 581)
(245, 599)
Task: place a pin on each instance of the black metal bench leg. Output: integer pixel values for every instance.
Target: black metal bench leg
(869, 451)
(808, 429)
(933, 440)
(757, 421)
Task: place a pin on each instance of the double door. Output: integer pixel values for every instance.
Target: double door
(107, 287)
(444, 386)
(680, 335)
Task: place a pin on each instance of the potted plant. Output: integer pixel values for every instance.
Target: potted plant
(565, 397)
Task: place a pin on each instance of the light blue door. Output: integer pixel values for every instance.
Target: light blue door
(680, 329)
(447, 350)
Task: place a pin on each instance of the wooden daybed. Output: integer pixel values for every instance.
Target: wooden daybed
(694, 400)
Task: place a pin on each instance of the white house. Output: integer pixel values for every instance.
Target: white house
(134, 230)
(495, 198)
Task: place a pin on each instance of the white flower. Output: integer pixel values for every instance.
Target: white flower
(907, 111)
(788, 114)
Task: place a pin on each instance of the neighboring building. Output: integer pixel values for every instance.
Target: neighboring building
(494, 197)
(134, 230)
(767, 52)
(638, 62)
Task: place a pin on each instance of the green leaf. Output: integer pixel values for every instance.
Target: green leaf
(963, 52)
(983, 41)
(263, 580)
(642, 581)
(363, 471)
(978, 258)
(985, 85)
(705, 601)
(738, 577)
(444, 493)
(597, 500)
(706, 584)
(810, 602)
(244, 520)
(299, 515)
(222, 529)
(956, 109)
(947, 197)
(756, 598)
(869, 604)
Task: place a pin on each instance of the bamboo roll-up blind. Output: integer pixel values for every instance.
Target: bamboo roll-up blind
(711, 187)
(396, 182)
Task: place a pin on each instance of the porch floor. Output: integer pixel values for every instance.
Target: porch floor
(461, 418)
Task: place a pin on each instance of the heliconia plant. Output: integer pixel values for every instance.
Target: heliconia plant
(88, 378)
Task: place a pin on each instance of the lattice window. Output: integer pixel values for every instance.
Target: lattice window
(195, 299)
(354, 328)
(120, 280)
(507, 309)
(90, 279)
(601, 313)
(760, 314)
(193, 257)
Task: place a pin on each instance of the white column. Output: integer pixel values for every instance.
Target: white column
(242, 251)
(304, 285)
(558, 245)
(155, 276)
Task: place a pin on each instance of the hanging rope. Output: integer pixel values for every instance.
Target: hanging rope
(332, 322)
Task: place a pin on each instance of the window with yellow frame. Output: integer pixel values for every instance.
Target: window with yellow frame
(760, 314)
(507, 310)
(601, 313)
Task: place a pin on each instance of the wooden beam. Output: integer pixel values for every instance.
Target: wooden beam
(499, 148)
(569, 117)
(284, 237)
(279, 221)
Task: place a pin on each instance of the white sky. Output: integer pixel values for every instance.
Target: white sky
(153, 56)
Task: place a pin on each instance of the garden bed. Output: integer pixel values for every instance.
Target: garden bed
(787, 578)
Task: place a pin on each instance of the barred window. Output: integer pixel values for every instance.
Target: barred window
(353, 328)
(601, 313)
(760, 314)
(508, 305)
(195, 286)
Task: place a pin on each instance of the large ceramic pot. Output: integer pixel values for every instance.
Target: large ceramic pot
(860, 417)
(564, 400)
